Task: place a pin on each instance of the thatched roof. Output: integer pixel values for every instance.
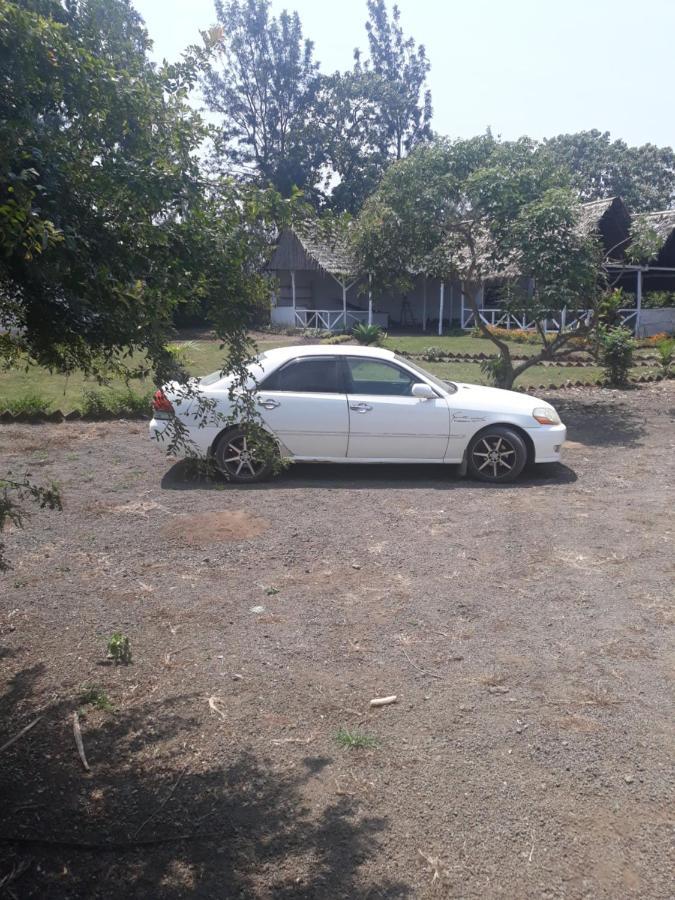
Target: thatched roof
(663, 223)
(310, 248)
(610, 220)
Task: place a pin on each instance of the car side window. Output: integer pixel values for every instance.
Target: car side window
(374, 376)
(317, 375)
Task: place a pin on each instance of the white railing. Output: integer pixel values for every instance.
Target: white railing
(560, 321)
(329, 319)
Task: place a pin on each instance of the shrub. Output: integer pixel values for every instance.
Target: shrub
(31, 404)
(658, 299)
(495, 370)
(616, 354)
(119, 648)
(180, 353)
(434, 354)
(368, 334)
(337, 339)
(111, 403)
(355, 739)
(666, 354)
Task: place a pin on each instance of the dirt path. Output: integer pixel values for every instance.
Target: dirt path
(526, 631)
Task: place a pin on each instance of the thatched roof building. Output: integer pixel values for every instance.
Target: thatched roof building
(663, 224)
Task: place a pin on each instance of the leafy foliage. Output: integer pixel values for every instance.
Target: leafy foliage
(481, 209)
(600, 167)
(260, 76)
(355, 739)
(616, 353)
(12, 493)
(666, 351)
(119, 648)
(368, 334)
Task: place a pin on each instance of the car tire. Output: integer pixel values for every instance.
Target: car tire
(234, 455)
(497, 454)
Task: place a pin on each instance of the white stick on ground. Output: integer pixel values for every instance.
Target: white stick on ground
(383, 701)
(79, 742)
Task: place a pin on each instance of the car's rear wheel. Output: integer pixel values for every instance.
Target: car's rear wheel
(244, 455)
(498, 454)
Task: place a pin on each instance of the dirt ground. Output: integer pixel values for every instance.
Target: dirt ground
(525, 630)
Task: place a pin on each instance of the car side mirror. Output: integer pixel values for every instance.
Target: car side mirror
(423, 391)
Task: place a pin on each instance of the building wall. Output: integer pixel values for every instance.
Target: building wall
(318, 290)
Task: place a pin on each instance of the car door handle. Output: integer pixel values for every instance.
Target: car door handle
(360, 407)
(268, 403)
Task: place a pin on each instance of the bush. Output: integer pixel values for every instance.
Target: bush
(666, 354)
(495, 369)
(180, 353)
(368, 334)
(616, 354)
(31, 404)
(434, 354)
(110, 403)
(337, 339)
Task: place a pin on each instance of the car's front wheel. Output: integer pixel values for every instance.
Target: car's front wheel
(497, 454)
(245, 456)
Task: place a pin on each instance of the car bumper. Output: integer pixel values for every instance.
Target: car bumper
(158, 432)
(548, 442)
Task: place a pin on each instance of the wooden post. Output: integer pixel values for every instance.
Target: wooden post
(293, 291)
(344, 306)
(638, 302)
(440, 308)
(461, 293)
(370, 298)
(424, 304)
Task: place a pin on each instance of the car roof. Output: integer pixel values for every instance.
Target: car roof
(281, 354)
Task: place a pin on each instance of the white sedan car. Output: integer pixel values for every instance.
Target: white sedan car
(365, 405)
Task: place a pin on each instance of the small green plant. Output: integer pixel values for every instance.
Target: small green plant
(666, 351)
(180, 353)
(368, 334)
(96, 697)
(434, 354)
(30, 403)
(355, 739)
(616, 354)
(337, 339)
(495, 369)
(119, 649)
(271, 591)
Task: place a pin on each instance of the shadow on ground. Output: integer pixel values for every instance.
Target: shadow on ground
(182, 477)
(601, 423)
(144, 823)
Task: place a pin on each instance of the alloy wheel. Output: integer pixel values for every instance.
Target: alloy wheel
(494, 455)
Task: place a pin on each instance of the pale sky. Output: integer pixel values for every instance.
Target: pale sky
(535, 67)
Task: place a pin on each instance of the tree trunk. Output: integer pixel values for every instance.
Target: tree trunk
(502, 371)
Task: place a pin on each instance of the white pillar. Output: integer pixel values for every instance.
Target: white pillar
(344, 306)
(424, 304)
(370, 298)
(639, 302)
(440, 308)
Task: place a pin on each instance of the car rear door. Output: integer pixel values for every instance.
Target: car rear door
(385, 420)
(304, 403)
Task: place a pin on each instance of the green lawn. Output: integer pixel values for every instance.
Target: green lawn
(59, 392)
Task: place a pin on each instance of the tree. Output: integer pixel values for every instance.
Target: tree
(401, 68)
(479, 209)
(261, 77)
(643, 176)
(106, 221)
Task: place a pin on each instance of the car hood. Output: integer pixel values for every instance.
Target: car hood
(477, 396)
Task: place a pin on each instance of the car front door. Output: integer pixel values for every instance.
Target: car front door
(305, 404)
(386, 421)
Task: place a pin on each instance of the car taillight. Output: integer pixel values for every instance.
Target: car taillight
(161, 405)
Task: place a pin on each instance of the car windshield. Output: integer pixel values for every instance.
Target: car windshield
(448, 386)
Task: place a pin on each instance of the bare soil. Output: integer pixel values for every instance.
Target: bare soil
(526, 631)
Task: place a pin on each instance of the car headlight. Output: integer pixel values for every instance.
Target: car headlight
(546, 415)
